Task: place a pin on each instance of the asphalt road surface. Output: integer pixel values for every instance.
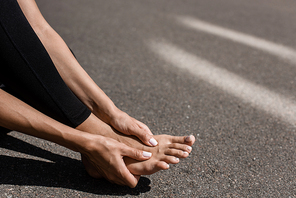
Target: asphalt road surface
(224, 71)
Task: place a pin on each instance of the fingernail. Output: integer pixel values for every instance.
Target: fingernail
(177, 159)
(188, 138)
(189, 148)
(153, 142)
(147, 154)
(186, 153)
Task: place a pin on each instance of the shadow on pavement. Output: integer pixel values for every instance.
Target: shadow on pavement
(62, 172)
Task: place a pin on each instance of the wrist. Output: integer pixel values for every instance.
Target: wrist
(79, 141)
(88, 143)
(105, 112)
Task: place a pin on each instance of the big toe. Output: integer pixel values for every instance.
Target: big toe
(189, 140)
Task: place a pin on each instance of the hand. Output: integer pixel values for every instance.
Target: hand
(104, 158)
(123, 123)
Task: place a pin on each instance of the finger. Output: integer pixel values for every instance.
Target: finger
(126, 177)
(120, 175)
(135, 153)
(143, 133)
(137, 177)
(144, 126)
(132, 180)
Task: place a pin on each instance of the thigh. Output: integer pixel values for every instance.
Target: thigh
(28, 73)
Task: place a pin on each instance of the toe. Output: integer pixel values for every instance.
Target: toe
(189, 140)
(171, 160)
(177, 153)
(154, 167)
(162, 165)
(178, 139)
(182, 147)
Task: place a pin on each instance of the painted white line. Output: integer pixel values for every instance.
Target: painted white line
(231, 83)
(252, 41)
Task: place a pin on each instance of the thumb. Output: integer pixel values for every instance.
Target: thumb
(144, 134)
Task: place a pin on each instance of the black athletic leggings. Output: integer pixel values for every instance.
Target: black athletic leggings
(28, 72)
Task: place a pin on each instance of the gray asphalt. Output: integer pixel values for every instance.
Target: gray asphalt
(241, 150)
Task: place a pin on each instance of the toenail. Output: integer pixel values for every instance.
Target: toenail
(147, 154)
(188, 138)
(153, 142)
(189, 148)
(186, 153)
(177, 159)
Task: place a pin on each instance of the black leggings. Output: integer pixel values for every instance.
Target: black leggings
(28, 72)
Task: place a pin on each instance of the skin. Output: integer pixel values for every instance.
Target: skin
(168, 151)
(107, 139)
(78, 80)
(105, 152)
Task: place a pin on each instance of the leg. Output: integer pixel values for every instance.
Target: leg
(70, 70)
(79, 81)
(28, 72)
(47, 92)
(106, 153)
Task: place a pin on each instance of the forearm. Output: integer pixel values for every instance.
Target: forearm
(18, 116)
(88, 92)
(79, 81)
(75, 76)
(70, 70)
(68, 67)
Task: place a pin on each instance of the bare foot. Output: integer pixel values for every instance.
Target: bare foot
(168, 151)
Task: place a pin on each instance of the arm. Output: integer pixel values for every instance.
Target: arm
(79, 81)
(106, 153)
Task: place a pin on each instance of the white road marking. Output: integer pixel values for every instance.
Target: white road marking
(256, 95)
(252, 41)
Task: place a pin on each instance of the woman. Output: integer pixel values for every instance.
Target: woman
(46, 93)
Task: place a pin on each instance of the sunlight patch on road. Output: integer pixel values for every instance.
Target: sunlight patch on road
(257, 96)
(252, 41)
(15, 154)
